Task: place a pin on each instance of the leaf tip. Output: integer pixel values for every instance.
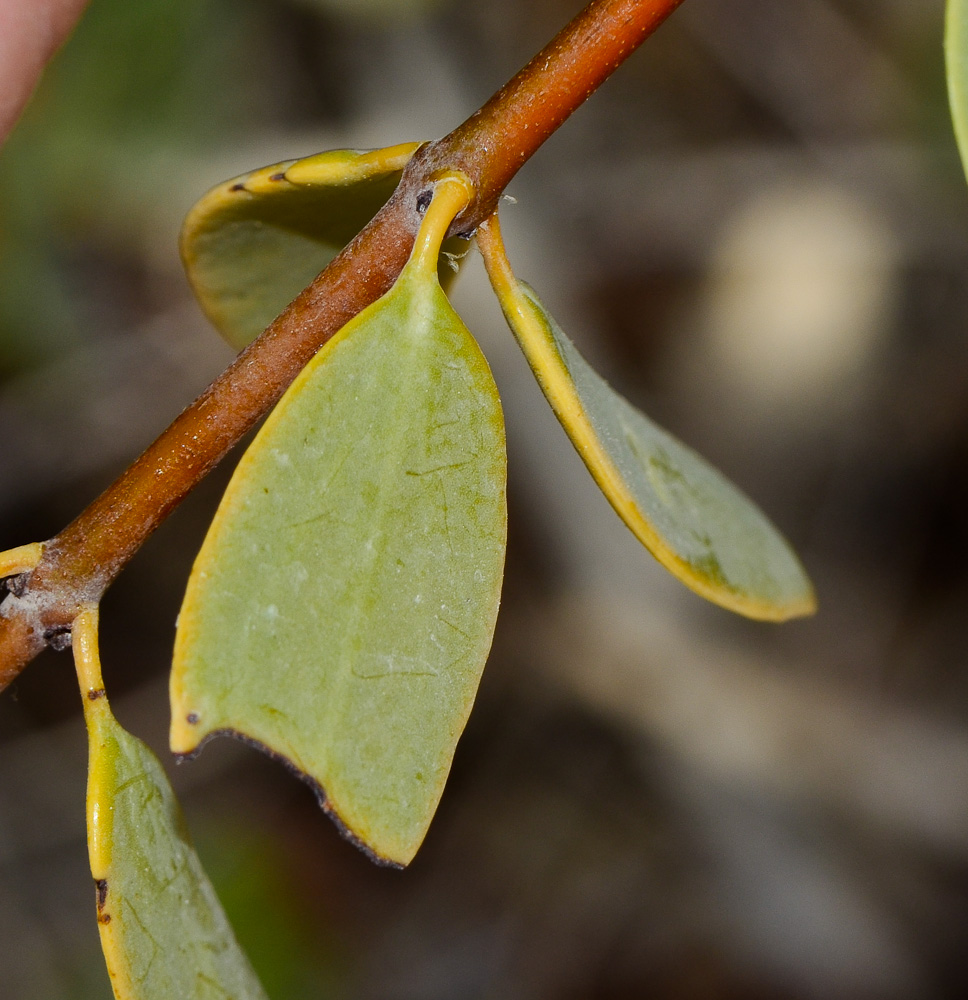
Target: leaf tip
(396, 856)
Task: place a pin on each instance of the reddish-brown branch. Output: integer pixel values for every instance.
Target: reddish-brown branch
(490, 147)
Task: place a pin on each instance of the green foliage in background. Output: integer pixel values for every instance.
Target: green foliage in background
(92, 162)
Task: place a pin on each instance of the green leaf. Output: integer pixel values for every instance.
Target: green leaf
(956, 59)
(253, 243)
(163, 931)
(342, 606)
(689, 516)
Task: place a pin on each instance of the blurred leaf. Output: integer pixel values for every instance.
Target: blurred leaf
(130, 102)
(692, 519)
(157, 67)
(253, 243)
(956, 58)
(343, 604)
(163, 931)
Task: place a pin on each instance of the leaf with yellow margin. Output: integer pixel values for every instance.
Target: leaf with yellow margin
(342, 606)
(163, 931)
(956, 62)
(686, 513)
(253, 243)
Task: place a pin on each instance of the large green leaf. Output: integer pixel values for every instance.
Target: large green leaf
(163, 931)
(956, 59)
(689, 516)
(253, 243)
(342, 606)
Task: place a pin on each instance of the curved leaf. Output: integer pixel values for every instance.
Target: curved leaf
(342, 606)
(956, 60)
(253, 243)
(689, 516)
(163, 931)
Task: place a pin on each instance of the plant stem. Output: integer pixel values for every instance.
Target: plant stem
(79, 564)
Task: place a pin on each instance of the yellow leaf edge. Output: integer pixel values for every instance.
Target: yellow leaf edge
(542, 354)
(333, 168)
(101, 723)
(97, 713)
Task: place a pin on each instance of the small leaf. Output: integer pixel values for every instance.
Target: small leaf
(342, 606)
(689, 516)
(163, 931)
(956, 60)
(253, 243)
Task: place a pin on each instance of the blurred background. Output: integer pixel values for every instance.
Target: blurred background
(758, 230)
